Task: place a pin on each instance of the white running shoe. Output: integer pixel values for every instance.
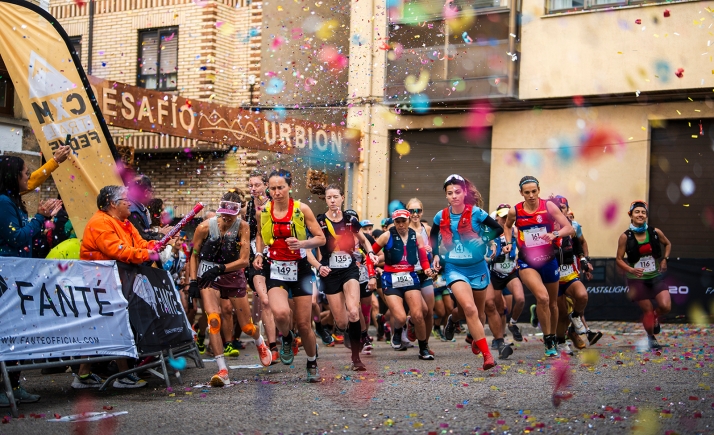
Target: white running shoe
(577, 324)
(565, 348)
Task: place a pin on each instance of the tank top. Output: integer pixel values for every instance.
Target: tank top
(532, 249)
(646, 260)
(222, 249)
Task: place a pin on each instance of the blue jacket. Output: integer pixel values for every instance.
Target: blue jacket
(16, 230)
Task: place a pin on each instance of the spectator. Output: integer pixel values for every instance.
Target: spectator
(156, 209)
(41, 175)
(140, 195)
(16, 236)
(110, 236)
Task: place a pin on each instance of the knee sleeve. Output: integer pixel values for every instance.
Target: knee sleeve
(214, 318)
(249, 329)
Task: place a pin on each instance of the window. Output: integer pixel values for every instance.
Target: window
(76, 44)
(7, 92)
(159, 56)
(555, 6)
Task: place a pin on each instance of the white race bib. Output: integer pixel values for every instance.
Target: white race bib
(534, 237)
(460, 253)
(505, 267)
(283, 270)
(647, 263)
(340, 260)
(204, 266)
(363, 274)
(402, 279)
(566, 269)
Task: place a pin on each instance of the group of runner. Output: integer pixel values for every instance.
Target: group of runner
(467, 266)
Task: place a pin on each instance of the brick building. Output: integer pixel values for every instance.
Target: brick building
(203, 50)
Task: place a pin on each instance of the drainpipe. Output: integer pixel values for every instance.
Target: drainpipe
(512, 30)
(90, 37)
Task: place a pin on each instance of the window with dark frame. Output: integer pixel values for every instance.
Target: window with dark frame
(158, 61)
(7, 92)
(76, 43)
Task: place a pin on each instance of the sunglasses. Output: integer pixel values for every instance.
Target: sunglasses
(415, 210)
(638, 203)
(454, 177)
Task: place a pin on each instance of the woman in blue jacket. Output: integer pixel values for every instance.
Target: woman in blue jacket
(16, 234)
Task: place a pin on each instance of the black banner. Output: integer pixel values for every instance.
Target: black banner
(155, 311)
(690, 281)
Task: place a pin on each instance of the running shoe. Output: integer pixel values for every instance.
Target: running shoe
(565, 348)
(347, 342)
(338, 338)
(367, 346)
(436, 333)
(275, 356)
(397, 343)
(89, 381)
(313, 376)
(230, 351)
(516, 331)
(593, 337)
(237, 344)
(504, 350)
(411, 331)
(405, 339)
(130, 381)
(654, 345)
(326, 337)
(488, 362)
(551, 348)
(358, 366)
(577, 324)
(220, 379)
(449, 329)
(200, 344)
(22, 396)
(387, 332)
(286, 352)
(657, 328)
(494, 344)
(297, 342)
(575, 338)
(534, 316)
(266, 358)
(469, 338)
(296, 345)
(380, 328)
(4, 401)
(424, 354)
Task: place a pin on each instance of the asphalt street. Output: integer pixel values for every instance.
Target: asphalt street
(615, 390)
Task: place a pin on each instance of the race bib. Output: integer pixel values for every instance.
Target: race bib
(460, 253)
(566, 269)
(340, 260)
(363, 274)
(534, 237)
(402, 279)
(505, 267)
(204, 266)
(283, 270)
(647, 263)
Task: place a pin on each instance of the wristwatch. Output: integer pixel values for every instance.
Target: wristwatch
(666, 258)
(556, 234)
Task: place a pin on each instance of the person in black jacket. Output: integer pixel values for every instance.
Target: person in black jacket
(140, 194)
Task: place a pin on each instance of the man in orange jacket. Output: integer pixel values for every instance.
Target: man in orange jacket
(110, 236)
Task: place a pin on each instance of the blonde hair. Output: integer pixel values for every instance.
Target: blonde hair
(421, 204)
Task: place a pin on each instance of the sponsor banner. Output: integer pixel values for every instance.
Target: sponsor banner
(137, 108)
(689, 282)
(155, 309)
(58, 101)
(57, 308)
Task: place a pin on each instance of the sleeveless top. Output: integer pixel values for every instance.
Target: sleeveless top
(221, 249)
(532, 249)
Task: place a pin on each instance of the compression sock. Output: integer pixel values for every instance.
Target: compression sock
(221, 361)
(482, 345)
(354, 331)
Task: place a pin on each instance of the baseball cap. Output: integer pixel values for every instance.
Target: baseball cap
(228, 207)
(502, 210)
(366, 223)
(401, 213)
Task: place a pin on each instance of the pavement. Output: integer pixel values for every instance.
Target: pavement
(615, 390)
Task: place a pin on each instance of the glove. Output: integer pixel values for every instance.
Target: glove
(211, 274)
(193, 291)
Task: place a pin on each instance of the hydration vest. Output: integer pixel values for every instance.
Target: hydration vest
(221, 249)
(393, 254)
(632, 246)
(297, 222)
(464, 228)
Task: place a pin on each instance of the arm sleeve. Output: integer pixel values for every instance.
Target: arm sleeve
(493, 225)
(109, 243)
(424, 259)
(13, 235)
(376, 248)
(41, 175)
(144, 232)
(434, 238)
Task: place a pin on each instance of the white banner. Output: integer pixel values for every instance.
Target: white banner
(60, 308)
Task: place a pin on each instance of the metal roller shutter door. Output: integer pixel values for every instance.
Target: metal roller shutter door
(436, 154)
(686, 220)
